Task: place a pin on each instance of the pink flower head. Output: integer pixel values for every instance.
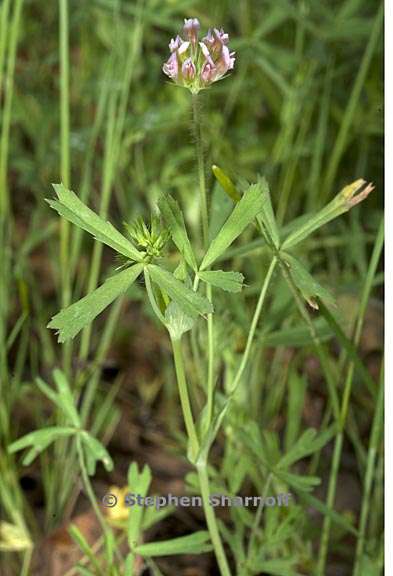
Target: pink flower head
(191, 28)
(194, 64)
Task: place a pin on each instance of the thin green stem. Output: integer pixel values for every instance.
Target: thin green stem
(319, 349)
(88, 487)
(370, 466)
(65, 173)
(212, 521)
(258, 517)
(201, 166)
(5, 216)
(8, 98)
(64, 143)
(4, 11)
(324, 543)
(254, 324)
(184, 397)
(194, 450)
(205, 232)
(210, 366)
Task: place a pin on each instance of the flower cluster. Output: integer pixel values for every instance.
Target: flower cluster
(195, 64)
(150, 237)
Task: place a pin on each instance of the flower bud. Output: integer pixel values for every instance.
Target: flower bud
(188, 70)
(191, 28)
(171, 67)
(208, 73)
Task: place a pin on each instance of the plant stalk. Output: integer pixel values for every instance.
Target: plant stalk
(197, 127)
(201, 466)
(254, 324)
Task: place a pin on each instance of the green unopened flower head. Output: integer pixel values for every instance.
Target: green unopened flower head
(151, 238)
(196, 65)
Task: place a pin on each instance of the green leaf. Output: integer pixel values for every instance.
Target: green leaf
(297, 481)
(298, 337)
(83, 544)
(71, 208)
(277, 567)
(49, 393)
(308, 286)
(210, 434)
(197, 543)
(220, 208)
(343, 202)
(39, 440)
(188, 300)
(176, 321)
(174, 219)
(229, 281)
(350, 350)
(138, 483)
(308, 443)
(297, 385)
(72, 319)
(66, 398)
(267, 215)
(245, 211)
(95, 451)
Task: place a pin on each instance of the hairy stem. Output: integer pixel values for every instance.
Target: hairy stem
(201, 167)
(197, 125)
